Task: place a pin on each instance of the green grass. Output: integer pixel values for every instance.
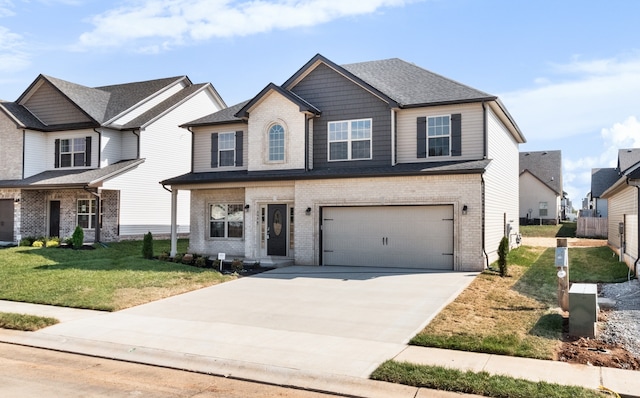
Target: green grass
(562, 230)
(107, 278)
(10, 320)
(517, 315)
(482, 383)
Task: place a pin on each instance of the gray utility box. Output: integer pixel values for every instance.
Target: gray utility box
(583, 309)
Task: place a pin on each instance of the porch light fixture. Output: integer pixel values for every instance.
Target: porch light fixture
(16, 200)
(308, 211)
(464, 209)
(246, 207)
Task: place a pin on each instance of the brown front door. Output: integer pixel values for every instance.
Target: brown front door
(6, 220)
(277, 230)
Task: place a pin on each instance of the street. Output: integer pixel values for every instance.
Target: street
(37, 373)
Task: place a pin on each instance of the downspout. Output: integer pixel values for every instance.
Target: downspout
(98, 197)
(137, 144)
(192, 151)
(635, 264)
(174, 220)
(482, 185)
(24, 139)
(393, 138)
(99, 147)
(306, 142)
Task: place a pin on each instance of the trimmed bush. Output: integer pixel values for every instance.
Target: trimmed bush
(147, 246)
(503, 251)
(27, 241)
(77, 239)
(38, 243)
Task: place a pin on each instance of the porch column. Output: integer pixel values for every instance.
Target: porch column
(174, 222)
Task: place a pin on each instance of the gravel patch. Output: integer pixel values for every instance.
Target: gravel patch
(623, 321)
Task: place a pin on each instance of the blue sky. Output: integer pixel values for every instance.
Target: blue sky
(568, 71)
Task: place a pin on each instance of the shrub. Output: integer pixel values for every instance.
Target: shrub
(27, 241)
(237, 265)
(177, 258)
(503, 250)
(216, 264)
(187, 259)
(37, 243)
(147, 246)
(77, 239)
(52, 242)
(164, 256)
(200, 262)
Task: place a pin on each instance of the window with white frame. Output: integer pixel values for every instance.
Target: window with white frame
(86, 213)
(350, 140)
(276, 143)
(226, 149)
(72, 152)
(226, 220)
(544, 212)
(438, 136)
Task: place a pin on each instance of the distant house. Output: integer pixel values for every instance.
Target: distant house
(601, 180)
(378, 163)
(624, 206)
(541, 191)
(74, 155)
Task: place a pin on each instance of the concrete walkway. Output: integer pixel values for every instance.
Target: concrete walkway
(319, 328)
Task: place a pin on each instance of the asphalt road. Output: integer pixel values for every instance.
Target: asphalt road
(36, 373)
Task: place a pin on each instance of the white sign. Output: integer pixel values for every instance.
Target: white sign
(222, 256)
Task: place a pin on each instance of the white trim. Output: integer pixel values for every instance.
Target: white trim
(349, 140)
(438, 136)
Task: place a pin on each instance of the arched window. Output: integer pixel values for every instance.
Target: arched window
(276, 143)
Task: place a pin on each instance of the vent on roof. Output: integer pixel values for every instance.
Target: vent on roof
(545, 152)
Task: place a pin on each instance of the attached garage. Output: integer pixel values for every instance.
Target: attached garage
(388, 236)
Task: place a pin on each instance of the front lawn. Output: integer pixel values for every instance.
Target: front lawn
(108, 278)
(562, 230)
(517, 315)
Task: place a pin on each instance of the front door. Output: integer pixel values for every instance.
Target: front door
(54, 218)
(6, 220)
(277, 230)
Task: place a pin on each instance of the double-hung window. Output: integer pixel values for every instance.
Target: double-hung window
(86, 213)
(72, 152)
(226, 220)
(227, 149)
(350, 140)
(438, 135)
(544, 209)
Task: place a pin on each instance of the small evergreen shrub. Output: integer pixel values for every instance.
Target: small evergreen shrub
(200, 262)
(27, 241)
(147, 246)
(237, 265)
(503, 250)
(77, 239)
(177, 258)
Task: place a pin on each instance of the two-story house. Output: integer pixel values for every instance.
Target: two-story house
(75, 155)
(377, 163)
(541, 191)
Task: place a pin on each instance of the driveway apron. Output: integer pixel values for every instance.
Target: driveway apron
(338, 320)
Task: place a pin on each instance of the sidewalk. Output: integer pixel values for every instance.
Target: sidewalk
(624, 382)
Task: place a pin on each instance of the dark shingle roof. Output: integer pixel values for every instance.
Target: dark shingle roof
(224, 116)
(303, 104)
(546, 166)
(628, 158)
(410, 85)
(602, 179)
(63, 178)
(90, 100)
(405, 169)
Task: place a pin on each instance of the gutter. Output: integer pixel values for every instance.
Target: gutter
(482, 183)
(99, 147)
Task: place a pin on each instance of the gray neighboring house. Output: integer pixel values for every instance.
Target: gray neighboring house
(623, 198)
(377, 163)
(601, 180)
(72, 155)
(541, 191)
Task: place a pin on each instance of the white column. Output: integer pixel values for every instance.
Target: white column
(174, 222)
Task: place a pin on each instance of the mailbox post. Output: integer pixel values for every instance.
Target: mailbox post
(562, 268)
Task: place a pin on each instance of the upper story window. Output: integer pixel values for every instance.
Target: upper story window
(276, 143)
(73, 152)
(226, 149)
(350, 140)
(438, 136)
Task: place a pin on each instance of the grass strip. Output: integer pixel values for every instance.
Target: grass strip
(30, 323)
(482, 383)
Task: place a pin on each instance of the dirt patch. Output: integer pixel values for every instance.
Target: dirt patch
(594, 352)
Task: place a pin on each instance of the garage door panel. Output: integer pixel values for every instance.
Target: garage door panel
(387, 236)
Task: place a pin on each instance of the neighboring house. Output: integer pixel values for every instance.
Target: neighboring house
(624, 206)
(601, 180)
(541, 191)
(74, 155)
(377, 163)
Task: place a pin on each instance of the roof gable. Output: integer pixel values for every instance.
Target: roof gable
(628, 158)
(544, 165)
(602, 179)
(301, 103)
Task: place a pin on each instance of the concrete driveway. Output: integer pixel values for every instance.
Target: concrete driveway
(339, 320)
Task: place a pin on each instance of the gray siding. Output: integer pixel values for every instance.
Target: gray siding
(340, 99)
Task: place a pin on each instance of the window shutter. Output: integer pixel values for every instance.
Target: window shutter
(57, 153)
(87, 151)
(239, 148)
(456, 134)
(422, 137)
(214, 150)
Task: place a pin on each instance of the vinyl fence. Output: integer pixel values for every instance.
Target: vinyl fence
(592, 227)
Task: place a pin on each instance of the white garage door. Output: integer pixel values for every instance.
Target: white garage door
(388, 236)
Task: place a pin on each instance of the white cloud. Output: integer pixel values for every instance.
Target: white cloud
(12, 57)
(580, 97)
(6, 8)
(156, 25)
